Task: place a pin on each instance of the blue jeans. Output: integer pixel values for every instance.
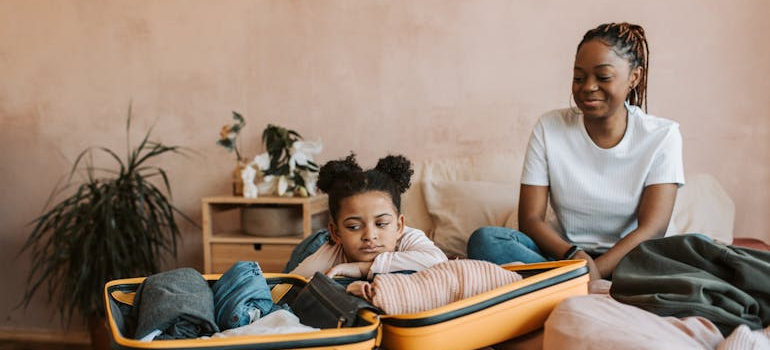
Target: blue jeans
(501, 245)
(241, 296)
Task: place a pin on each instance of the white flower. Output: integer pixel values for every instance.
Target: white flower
(275, 185)
(310, 181)
(302, 153)
(250, 190)
(283, 185)
(262, 162)
(268, 184)
(309, 147)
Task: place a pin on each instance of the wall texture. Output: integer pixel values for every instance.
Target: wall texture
(424, 78)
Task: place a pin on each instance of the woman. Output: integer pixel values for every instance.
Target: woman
(611, 171)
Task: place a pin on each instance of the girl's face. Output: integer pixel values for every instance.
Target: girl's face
(602, 80)
(367, 225)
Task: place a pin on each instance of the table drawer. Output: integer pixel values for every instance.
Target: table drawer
(271, 257)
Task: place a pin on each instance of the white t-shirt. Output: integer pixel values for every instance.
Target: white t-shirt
(595, 192)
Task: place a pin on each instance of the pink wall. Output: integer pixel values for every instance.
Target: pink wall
(424, 78)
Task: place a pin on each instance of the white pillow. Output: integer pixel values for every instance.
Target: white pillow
(458, 208)
(703, 206)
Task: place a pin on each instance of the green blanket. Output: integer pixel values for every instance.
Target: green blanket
(688, 275)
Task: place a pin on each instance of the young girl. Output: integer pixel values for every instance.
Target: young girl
(610, 169)
(367, 229)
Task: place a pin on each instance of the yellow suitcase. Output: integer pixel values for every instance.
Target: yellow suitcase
(119, 296)
(492, 317)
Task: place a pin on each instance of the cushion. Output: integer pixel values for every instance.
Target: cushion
(703, 206)
(504, 167)
(458, 208)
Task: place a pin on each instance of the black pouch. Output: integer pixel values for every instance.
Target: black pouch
(324, 303)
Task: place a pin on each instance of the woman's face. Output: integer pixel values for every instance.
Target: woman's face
(602, 80)
(367, 225)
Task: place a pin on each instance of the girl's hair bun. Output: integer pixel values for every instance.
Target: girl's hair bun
(398, 169)
(344, 178)
(338, 171)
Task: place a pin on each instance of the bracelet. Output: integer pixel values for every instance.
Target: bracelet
(571, 252)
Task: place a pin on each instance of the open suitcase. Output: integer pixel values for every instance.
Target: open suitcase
(363, 336)
(492, 317)
(482, 320)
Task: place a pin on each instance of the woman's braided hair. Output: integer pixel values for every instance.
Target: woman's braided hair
(627, 41)
(344, 178)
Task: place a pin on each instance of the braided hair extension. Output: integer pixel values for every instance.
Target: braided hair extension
(344, 178)
(627, 41)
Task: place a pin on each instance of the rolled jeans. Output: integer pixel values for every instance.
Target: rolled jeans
(501, 245)
(241, 296)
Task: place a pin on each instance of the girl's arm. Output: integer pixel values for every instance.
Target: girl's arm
(415, 252)
(322, 260)
(533, 201)
(655, 209)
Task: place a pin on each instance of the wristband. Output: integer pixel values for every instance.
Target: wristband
(571, 252)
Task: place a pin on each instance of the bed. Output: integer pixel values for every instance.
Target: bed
(451, 197)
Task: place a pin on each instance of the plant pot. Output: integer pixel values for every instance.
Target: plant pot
(272, 221)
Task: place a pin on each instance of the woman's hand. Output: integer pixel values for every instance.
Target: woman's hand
(655, 210)
(593, 271)
(354, 270)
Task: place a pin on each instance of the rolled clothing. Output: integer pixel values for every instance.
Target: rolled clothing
(179, 303)
(241, 296)
(437, 285)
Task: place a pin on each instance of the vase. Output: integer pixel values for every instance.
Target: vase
(237, 180)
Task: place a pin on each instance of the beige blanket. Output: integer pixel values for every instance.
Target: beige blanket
(600, 322)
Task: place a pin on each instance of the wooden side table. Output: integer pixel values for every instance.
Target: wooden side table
(225, 242)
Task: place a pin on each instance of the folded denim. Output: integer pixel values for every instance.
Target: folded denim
(241, 296)
(179, 303)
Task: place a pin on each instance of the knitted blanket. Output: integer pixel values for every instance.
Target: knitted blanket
(437, 286)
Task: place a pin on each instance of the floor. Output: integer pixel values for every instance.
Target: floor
(26, 345)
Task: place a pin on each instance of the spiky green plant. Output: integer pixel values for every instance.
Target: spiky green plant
(115, 226)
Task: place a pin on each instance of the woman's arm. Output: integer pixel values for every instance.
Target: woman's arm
(533, 201)
(655, 210)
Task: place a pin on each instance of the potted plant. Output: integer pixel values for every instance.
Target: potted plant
(286, 168)
(287, 165)
(112, 224)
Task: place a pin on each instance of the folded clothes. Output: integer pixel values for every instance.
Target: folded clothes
(278, 322)
(435, 286)
(179, 303)
(241, 296)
